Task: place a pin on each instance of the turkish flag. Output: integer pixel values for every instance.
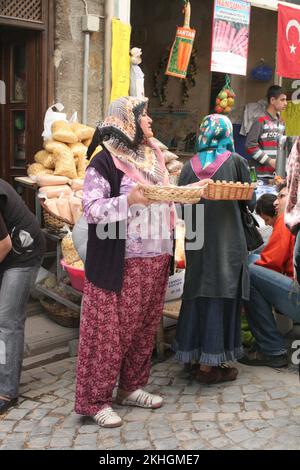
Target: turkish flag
(288, 42)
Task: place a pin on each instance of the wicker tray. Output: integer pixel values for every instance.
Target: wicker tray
(181, 194)
(222, 190)
(172, 309)
(52, 221)
(60, 314)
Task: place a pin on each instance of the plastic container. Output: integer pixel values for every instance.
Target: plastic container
(76, 276)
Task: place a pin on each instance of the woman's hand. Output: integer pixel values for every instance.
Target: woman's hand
(200, 183)
(136, 197)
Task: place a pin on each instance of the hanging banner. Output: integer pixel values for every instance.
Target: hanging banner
(120, 59)
(288, 42)
(230, 36)
(182, 47)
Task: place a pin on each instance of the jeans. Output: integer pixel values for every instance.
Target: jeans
(269, 288)
(15, 287)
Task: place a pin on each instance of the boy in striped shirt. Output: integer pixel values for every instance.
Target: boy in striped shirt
(262, 139)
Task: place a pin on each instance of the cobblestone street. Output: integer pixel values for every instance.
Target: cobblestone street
(260, 410)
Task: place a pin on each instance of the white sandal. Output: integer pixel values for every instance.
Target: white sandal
(108, 418)
(141, 398)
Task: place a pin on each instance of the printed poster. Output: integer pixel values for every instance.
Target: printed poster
(120, 59)
(181, 52)
(230, 39)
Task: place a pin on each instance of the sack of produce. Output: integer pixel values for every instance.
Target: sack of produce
(38, 169)
(225, 99)
(76, 208)
(51, 180)
(64, 209)
(52, 146)
(78, 149)
(82, 132)
(50, 192)
(45, 158)
(69, 252)
(82, 163)
(51, 205)
(62, 132)
(65, 164)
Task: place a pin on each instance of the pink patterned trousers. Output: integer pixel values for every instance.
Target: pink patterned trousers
(117, 333)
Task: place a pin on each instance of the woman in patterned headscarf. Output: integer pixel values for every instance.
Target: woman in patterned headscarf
(208, 330)
(126, 268)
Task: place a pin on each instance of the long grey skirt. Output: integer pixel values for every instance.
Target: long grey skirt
(209, 331)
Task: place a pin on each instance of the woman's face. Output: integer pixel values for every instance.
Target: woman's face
(145, 123)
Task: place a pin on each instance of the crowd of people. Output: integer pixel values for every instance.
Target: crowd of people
(126, 275)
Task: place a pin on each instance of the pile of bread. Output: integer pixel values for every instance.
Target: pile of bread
(59, 169)
(65, 153)
(173, 166)
(62, 196)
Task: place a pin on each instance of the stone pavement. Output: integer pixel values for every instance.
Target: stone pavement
(260, 410)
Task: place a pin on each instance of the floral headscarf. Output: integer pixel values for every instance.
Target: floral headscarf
(215, 138)
(120, 133)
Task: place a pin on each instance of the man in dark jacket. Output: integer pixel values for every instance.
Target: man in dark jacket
(21, 250)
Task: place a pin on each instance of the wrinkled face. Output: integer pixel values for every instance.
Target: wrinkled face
(280, 202)
(279, 103)
(268, 219)
(145, 123)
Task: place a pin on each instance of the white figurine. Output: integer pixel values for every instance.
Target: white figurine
(136, 75)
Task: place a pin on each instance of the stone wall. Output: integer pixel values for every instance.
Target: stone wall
(69, 57)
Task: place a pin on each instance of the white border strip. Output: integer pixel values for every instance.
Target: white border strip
(272, 4)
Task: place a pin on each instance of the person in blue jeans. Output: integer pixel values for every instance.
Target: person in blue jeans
(272, 286)
(21, 249)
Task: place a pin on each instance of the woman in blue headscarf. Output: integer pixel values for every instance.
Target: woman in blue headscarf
(216, 281)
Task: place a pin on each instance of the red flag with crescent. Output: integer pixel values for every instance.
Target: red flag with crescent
(288, 43)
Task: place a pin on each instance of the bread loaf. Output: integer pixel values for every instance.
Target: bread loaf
(38, 169)
(82, 132)
(62, 132)
(65, 164)
(54, 191)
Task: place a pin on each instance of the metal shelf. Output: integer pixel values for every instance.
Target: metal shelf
(58, 298)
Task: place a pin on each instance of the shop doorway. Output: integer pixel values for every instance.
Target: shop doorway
(20, 123)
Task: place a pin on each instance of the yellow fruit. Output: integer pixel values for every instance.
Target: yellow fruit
(224, 103)
(227, 109)
(230, 102)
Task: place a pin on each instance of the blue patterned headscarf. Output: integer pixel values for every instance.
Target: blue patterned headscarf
(215, 138)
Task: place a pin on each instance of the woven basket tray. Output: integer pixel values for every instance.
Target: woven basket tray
(52, 221)
(172, 309)
(222, 190)
(60, 314)
(181, 194)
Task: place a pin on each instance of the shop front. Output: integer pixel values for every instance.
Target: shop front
(26, 29)
(177, 106)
